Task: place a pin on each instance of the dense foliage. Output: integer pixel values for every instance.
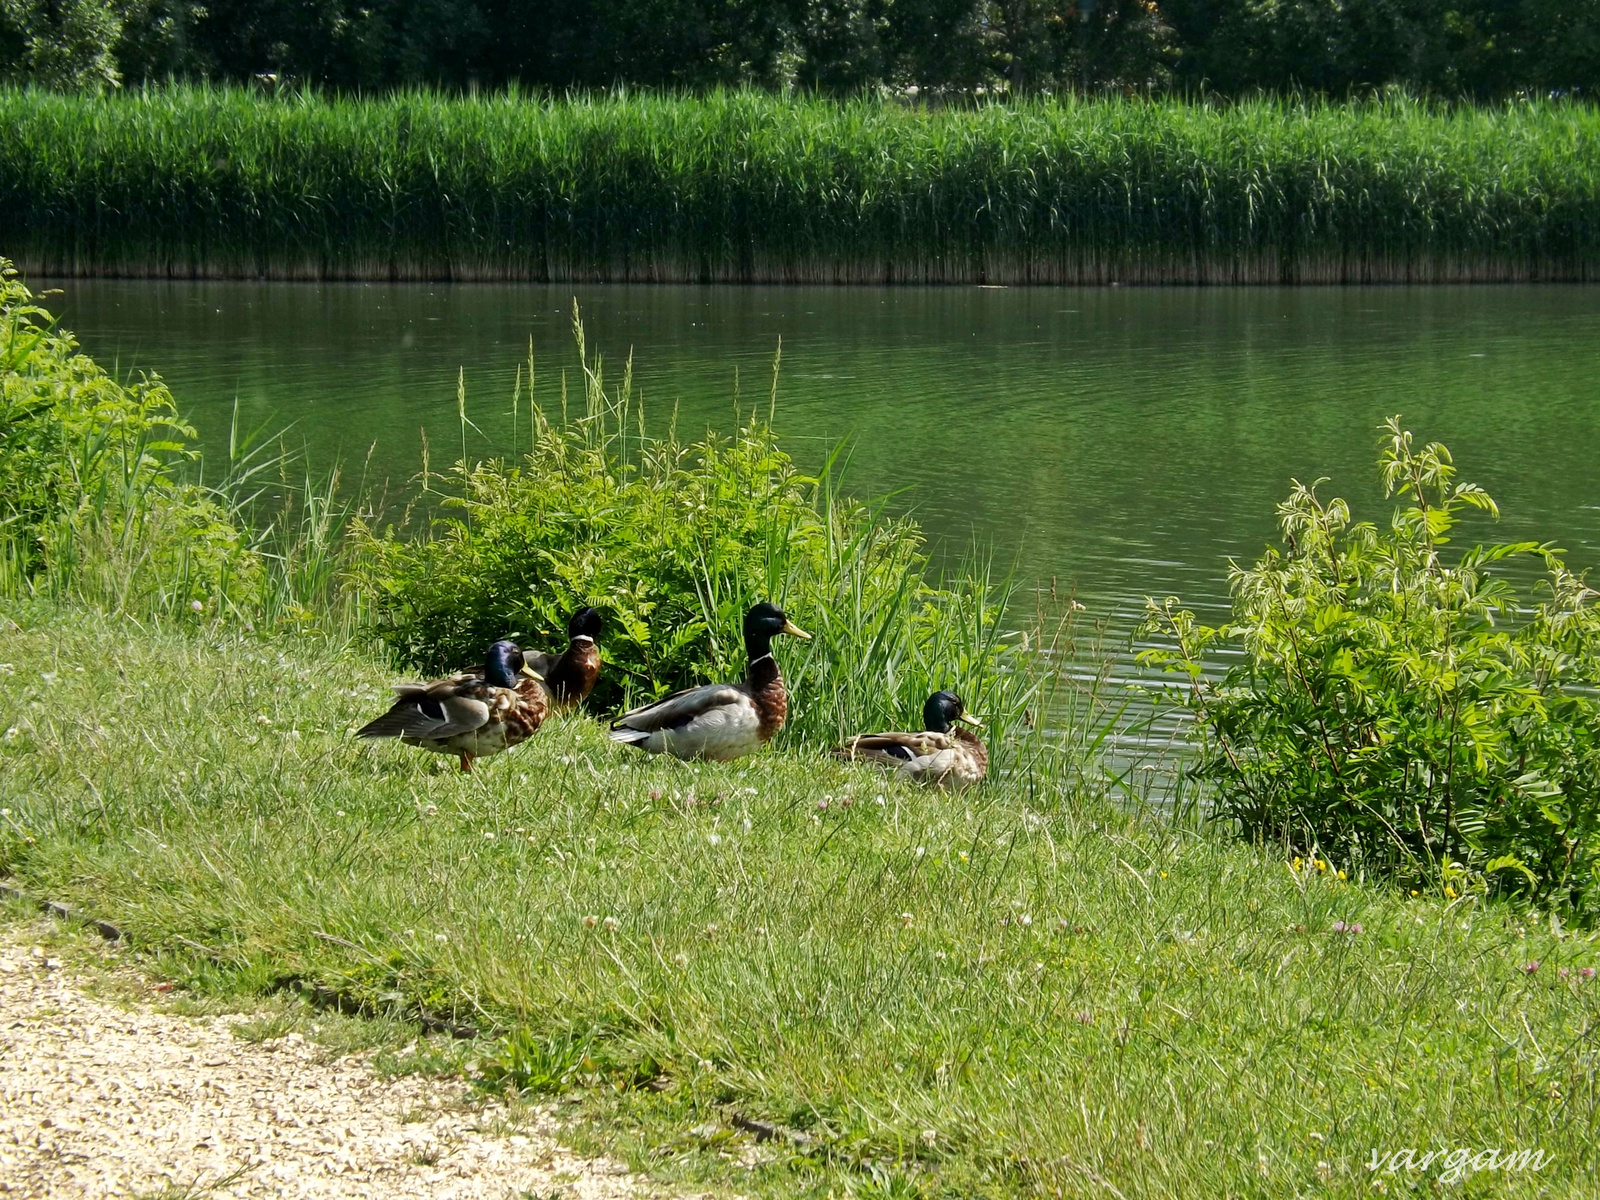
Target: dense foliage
(1400, 709)
(92, 500)
(673, 542)
(1481, 48)
(745, 186)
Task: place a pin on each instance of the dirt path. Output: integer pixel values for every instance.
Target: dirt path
(97, 1100)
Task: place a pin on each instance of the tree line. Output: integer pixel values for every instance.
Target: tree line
(1481, 49)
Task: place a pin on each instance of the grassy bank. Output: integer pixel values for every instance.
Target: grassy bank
(1017, 992)
(750, 187)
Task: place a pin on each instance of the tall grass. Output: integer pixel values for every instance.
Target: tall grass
(746, 187)
(1013, 992)
(103, 503)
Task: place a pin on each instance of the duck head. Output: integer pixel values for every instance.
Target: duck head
(763, 623)
(503, 664)
(585, 623)
(941, 709)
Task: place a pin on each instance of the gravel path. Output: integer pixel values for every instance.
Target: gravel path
(101, 1100)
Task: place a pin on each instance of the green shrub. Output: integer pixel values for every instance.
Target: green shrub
(673, 542)
(92, 501)
(1398, 710)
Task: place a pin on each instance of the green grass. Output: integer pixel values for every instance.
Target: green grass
(1020, 991)
(749, 186)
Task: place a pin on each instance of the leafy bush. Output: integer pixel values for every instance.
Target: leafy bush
(67, 44)
(1400, 711)
(92, 504)
(673, 542)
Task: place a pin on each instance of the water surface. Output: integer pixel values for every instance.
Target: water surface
(1123, 441)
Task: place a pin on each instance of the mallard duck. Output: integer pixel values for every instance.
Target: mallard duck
(720, 721)
(570, 676)
(940, 755)
(469, 715)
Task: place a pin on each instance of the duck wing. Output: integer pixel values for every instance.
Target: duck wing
(893, 749)
(435, 710)
(680, 708)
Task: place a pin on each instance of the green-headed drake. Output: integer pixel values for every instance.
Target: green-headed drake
(720, 721)
(570, 676)
(941, 755)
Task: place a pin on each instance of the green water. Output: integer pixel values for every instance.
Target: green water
(1123, 441)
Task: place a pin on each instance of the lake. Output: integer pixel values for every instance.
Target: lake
(1124, 441)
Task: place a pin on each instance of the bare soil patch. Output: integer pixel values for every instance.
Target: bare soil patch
(99, 1099)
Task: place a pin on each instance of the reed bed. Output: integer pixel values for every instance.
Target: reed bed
(751, 187)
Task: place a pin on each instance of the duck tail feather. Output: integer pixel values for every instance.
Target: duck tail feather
(387, 726)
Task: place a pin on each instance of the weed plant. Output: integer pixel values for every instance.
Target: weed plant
(747, 186)
(1400, 710)
(103, 503)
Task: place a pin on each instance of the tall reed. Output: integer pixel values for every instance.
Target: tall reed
(748, 186)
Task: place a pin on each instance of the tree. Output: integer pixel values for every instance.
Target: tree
(65, 44)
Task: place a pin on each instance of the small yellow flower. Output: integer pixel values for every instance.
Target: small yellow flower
(1322, 865)
(1297, 861)
(1341, 874)
(1449, 891)
(1413, 891)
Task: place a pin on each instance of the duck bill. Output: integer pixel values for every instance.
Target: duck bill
(970, 720)
(531, 673)
(794, 630)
